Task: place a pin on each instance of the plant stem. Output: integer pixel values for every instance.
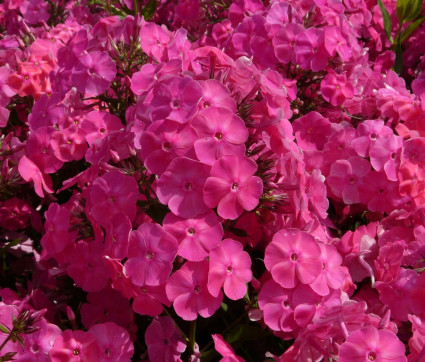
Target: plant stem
(192, 333)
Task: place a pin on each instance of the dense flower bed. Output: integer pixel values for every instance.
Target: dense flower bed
(184, 180)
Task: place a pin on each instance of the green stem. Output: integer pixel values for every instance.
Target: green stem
(192, 333)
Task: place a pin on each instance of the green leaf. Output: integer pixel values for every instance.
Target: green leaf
(401, 9)
(387, 20)
(224, 306)
(4, 329)
(413, 11)
(411, 28)
(149, 9)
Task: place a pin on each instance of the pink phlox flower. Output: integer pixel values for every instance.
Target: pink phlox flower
(216, 94)
(312, 131)
(107, 305)
(87, 267)
(181, 187)
(35, 11)
(346, 177)
(113, 341)
(15, 214)
(407, 286)
(388, 263)
(154, 40)
(225, 349)
(367, 133)
(39, 344)
(242, 8)
(276, 304)
(284, 42)
(196, 236)
(68, 54)
(75, 346)
(310, 49)
(150, 255)
(119, 279)
(385, 155)
(317, 194)
(163, 141)
(336, 88)
(245, 76)
(380, 194)
(230, 268)
(30, 172)
(149, 300)
(221, 133)
(180, 47)
(117, 236)
(46, 111)
(69, 144)
(42, 153)
(176, 99)
(337, 43)
(112, 193)
(370, 344)
(56, 237)
(232, 186)
(145, 79)
(332, 275)
(417, 340)
(310, 306)
(93, 73)
(293, 257)
(97, 124)
(188, 290)
(164, 340)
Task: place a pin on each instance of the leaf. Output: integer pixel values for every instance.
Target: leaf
(242, 333)
(413, 11)
(224, 306)
(401, 9)
(387, 20)
(4, 329)
(149, 9)
(411, 28)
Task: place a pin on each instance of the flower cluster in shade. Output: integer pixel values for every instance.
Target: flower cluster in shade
(153, 162)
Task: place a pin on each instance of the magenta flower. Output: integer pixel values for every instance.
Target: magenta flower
(293, 256)
(181, 187)
(346, 177)
(93, 73)
(75, 346)
(312, 131)
(233, 187)
(276, 304)
(164, 340)
(150, 299)
(150, 255)
(230, 268)
(370, 344)
(188, 290)
(221, 133)
(112, 193)
(30, 172)
(35, 11)
(336, 88)
(56, 237)
(114, 342)
(310, 49)
(196, 236)
(225, 349)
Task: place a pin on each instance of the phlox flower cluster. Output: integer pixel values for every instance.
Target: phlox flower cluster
(196, 180)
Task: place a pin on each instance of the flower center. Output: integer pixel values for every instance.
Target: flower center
(229, 269)
(175, 103)
(235, 185)
(197, 289)
(188, 186)
(76, 352)
(294, 257)
(191, 231)
(373, 136)
(166, 146)
(218, 135)
(371, 356)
